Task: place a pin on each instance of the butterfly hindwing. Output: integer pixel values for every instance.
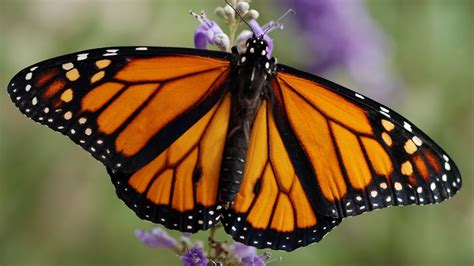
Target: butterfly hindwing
(362, 155)
(124, 105)
(179, 188)
(272, 210)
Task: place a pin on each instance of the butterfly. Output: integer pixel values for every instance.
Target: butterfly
(192, 138)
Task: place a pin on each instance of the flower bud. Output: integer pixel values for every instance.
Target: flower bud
(251, 15)
(242, 8)
(220, 12)
(222, 41)
(229, 12)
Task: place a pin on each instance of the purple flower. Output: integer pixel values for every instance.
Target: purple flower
(194, 257)
(208, 32)
(157, 238)
(253, 261)
(341, 33)
(247, 254)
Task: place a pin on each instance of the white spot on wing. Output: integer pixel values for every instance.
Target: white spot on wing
(359, 96)
(447, 166)
(385, 114)
(407, 126)
(417, 141)
(82, 56)
(398, 186)
(68, 66)
(444, 177)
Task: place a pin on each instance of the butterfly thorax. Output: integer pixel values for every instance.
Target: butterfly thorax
(248, 90)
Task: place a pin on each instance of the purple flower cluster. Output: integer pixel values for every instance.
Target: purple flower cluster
(192, 253)
(194, 257)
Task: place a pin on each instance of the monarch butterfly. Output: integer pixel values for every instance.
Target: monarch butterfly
(191, 138)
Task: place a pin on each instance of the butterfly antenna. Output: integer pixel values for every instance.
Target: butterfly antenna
(277, 22)
(238, 14)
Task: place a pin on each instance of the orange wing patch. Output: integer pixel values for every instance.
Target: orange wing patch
(167, 67)
(273, 203)
(352, 156)
(100, 95)
(124, 106)
(329, 103)
(313, 130)
(378, 157)
(55, 87)
(186, 170)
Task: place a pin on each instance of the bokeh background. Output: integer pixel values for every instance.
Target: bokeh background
(58, 207)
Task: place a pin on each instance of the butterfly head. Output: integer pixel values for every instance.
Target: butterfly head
(256, 56)
(256, 46)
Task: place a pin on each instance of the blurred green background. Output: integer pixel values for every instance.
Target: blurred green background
(58, 207)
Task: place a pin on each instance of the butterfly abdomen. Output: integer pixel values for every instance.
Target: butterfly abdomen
(246, 100)
(243, 114)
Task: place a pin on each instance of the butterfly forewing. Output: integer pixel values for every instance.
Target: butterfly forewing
(360, 155)
(124, 105)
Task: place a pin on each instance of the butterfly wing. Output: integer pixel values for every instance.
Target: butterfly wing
(156, 117)
(355, 154)
(124, 105)
(179, 187)
(272, 210)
